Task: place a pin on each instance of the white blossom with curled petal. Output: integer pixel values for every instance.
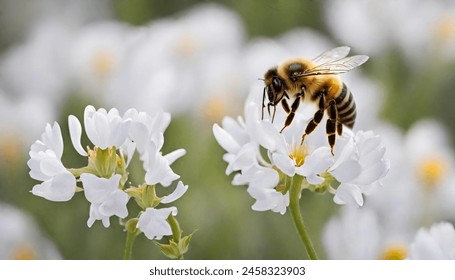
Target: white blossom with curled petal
(105, 197)
(179, 191)
(153, 222)
(158, 167)
(436, 243)
(45, 165)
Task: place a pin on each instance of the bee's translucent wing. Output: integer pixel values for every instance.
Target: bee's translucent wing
(339, 66)
(331, 55)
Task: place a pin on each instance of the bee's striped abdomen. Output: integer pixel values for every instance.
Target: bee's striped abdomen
(346, 107)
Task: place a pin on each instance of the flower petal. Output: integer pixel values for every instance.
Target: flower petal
(226, 141)
(60, 188)
(348, 194)
(347, 171)
(179, 191)
(174, 155)
(284, 163)
(153, 222)
(96, 189)
(115, 204)
(75, 134)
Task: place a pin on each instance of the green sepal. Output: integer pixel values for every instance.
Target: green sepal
(144, 195)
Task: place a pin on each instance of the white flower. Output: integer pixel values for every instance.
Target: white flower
(96, 55)
(153, 224)
(38, 66)
(21, 237)
(45, 165)
(168, 64)
(363, 234)
(104, 129)
(262, 187)
(385, 25)
(105, 197)
(145, 128)
(437, 243)
(157, 166)
(358, 163)
(23, 118)
(360, 174)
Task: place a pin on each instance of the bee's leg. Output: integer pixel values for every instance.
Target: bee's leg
(313, 123)
(285, 105)
(263, 104)
(291, 111)
(332, 125)
(339, 128)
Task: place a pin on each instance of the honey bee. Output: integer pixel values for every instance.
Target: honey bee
(316, 80)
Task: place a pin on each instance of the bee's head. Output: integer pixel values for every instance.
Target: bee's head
(274, 89)
(274, 86)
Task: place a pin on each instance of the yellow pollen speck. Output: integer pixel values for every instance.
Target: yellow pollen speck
(395, 252)
(432, 171)
(214, 109)
(103, 63)
(23, 252)
(298, 154)
(187, 46)
(445, 29)
(10, 150)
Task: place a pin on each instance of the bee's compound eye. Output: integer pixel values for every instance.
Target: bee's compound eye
(277, 84)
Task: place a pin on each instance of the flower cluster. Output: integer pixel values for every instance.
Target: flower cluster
(418, 190)
(115, 139)
(266, 160)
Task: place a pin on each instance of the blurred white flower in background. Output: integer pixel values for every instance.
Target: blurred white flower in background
(177, 64)
(38, 67)
(361, 234)
(21, 16)
(22, 120)
(95, 56)
(372, 27)
(436, 243)
(418, 191)
(421, 182)
(20, 237)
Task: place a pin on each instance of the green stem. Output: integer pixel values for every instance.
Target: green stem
(131, 233)
(294, 197)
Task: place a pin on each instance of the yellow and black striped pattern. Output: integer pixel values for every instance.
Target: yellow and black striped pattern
(346, 107)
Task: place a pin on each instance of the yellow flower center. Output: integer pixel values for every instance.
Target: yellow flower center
(298, 154)
(103, 63)
(187, 46)
(432, 171)
(23, 252)
(10, 151)
(394, 252)
(215, 108)
(445, 29)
